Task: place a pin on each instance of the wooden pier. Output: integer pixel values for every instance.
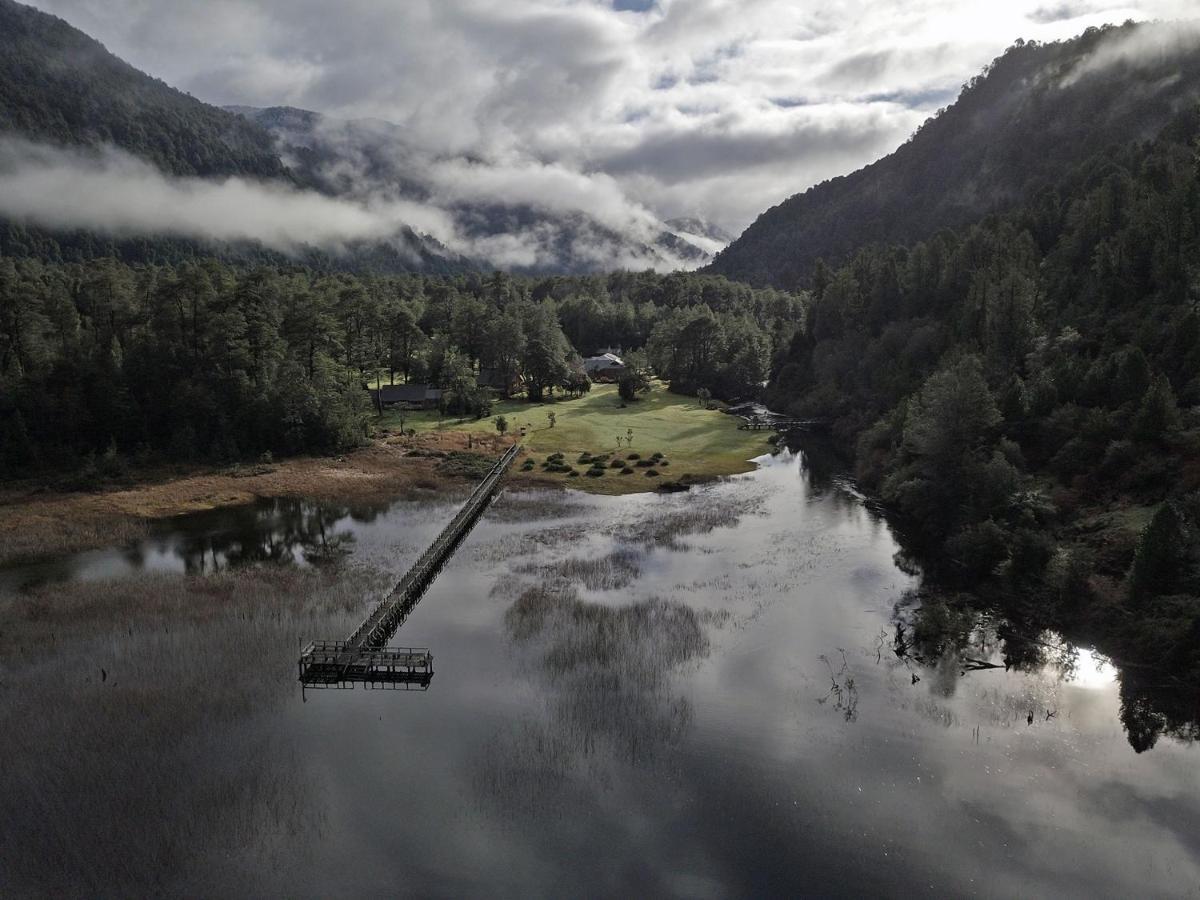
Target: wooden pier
(363, 657)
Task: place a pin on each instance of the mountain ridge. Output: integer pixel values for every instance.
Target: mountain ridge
(1015, 129)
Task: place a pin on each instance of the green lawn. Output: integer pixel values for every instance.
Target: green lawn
(694, 441)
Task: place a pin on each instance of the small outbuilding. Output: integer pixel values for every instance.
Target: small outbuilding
(605, 367)
(406, 396)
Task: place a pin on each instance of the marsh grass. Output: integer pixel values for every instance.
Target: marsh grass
(608, 672)
(616, 570)
(142, 745)
(23, 545)
(532, 506)
(697, 513)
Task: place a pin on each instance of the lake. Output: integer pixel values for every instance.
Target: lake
(728, 692)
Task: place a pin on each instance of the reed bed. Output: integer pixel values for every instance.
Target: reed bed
(608, 673)
(143, 752)
(611, 572)
(20, 543)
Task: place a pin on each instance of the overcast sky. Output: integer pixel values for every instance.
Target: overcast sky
(717, 108)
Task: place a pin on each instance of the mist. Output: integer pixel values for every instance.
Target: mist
(111, 192)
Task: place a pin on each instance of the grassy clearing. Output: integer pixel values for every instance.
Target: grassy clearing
(693, 441)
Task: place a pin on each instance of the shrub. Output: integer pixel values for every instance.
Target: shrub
(644, 463)
(651, 473)
(572, 474)
(627, 471)
(664, 462)
(616, 464)
(633, 456)
(595, 473)
(978, 549)
(657, 456)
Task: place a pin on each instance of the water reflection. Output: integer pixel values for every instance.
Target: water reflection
(284, 531)
(731, 692)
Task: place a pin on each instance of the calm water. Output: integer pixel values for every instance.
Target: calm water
(743, 711)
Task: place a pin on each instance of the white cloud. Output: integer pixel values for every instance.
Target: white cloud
(716, 108)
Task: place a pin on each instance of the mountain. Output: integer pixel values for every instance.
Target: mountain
(1021, 393)
(61, 86)
(1036, 112)
(372, 158)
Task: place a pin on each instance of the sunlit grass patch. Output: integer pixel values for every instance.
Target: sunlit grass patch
(705, 443)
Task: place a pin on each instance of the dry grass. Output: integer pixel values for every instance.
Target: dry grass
(141, 743)
(36, 523)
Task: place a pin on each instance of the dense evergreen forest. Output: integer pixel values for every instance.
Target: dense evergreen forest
(1035, 113)
(1023, 392)
(102, 362)
(59, 85)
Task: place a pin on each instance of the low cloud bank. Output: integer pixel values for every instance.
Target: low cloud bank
(111, 192)
(114, 193)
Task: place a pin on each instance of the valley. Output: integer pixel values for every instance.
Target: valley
(279, 286)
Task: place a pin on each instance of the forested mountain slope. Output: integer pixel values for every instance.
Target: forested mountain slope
(1024, 394)
(371, 158)
(59, 85)
(1014, 132)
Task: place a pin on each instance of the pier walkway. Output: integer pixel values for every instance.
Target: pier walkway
(363, 658)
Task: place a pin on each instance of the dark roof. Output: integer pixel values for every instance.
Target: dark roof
(496, 378)
(407, 393)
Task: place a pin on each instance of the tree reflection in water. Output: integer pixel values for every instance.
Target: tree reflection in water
(948, 638)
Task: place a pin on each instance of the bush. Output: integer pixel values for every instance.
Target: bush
(644, 463)
(657, 456)
(572, 474)
(664, 462)
(1031, 553)
(651, 473)
(595, 473)
(627, 471)
(616, 464)
(978, 549)
(633, 456)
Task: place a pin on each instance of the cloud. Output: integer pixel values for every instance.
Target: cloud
(1140, 47)
(112, 192)
(715, 108)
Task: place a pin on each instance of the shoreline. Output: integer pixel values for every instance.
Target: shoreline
(36, 521)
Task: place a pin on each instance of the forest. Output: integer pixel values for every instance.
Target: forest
(1022, 394)
(1014, 132)
(103, 364)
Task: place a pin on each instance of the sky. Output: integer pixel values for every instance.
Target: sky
(661, 108)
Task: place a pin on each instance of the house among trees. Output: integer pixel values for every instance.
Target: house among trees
(506, 383)
(605, 367)
(406, 396)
